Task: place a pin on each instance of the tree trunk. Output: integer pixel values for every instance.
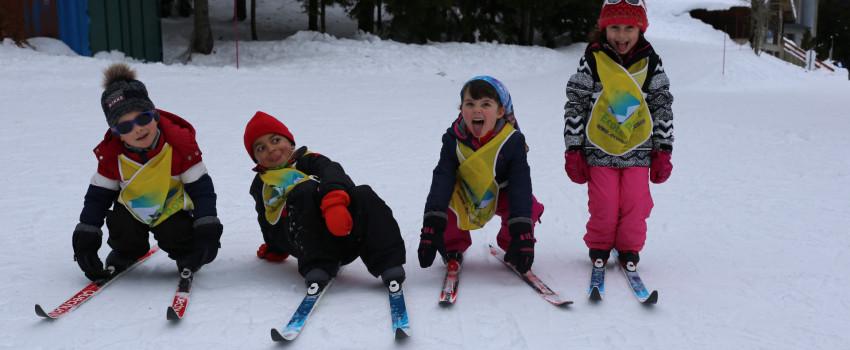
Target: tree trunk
(202, 40)
(379, 22)
(322, 15)
(366, 15)
(254, 20)
(312, 15)
(241, 10)
(759, 17)
(525, 33)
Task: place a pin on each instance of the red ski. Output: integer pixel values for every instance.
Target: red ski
(88, 291)
(181, 297)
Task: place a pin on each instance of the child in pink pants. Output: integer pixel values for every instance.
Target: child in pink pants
(618, 130)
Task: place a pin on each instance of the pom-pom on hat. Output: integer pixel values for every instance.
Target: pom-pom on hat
(624, 12)
(122, 93)
(260, 125)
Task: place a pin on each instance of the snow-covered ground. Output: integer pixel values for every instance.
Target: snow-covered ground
(747, 244)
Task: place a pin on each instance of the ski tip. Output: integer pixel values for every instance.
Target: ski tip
(595, 295)
(563, 303)
(171, 315)
(40, 311)
(653, 298)
(276, 336)
(401, 334)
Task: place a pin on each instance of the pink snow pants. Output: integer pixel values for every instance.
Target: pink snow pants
(457, 240)
(619, 203)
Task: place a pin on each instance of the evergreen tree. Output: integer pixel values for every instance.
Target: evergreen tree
(419, 21)
(834, 31)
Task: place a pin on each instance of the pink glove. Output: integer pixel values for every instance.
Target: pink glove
(576, 166)
(660, 167)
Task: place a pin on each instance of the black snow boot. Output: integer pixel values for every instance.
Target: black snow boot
(395, 273)
(599, 256)
(457, 256)
(118, 262)
(629, 260)
(317, 276)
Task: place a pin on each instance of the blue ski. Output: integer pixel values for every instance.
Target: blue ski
(638, 288)
(299, 318)
(597, 281)
(398, 311)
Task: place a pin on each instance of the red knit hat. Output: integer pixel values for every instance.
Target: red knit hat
(260, 125)
(624, 13)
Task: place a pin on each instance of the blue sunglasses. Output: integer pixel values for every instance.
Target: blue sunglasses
(142, 119)
(630, 2)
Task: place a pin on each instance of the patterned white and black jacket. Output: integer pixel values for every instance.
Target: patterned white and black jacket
(584, 87)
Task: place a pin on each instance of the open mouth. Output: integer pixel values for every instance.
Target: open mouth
(622, 46)
(477, 126)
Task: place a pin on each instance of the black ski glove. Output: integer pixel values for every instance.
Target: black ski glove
(521, 250)
(86, 241)
(431, 239)
(205, 244)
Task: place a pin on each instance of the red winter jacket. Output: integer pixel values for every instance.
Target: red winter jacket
(174, 130)
(186, 163)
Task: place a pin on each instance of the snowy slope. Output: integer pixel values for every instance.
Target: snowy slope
(747, 242)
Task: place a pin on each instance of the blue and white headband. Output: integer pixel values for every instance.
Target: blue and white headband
(504, 95)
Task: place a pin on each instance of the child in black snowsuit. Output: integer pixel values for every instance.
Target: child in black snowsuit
(308, 207)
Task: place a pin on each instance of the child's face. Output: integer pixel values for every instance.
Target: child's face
(272, 150)
(480, 115)
(622, 37)
(142, 136)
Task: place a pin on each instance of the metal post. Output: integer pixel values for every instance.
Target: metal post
(236, 30)
(831, 43)
(723, 72)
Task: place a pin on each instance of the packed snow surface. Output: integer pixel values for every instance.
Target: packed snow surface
(747, 243)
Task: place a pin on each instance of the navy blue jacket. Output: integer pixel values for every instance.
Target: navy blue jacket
(512, 171)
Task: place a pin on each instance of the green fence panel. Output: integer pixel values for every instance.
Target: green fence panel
(98, 38)
(113, 25)
(137, 37)
(152, 30)
(124, 12)
(129, 26)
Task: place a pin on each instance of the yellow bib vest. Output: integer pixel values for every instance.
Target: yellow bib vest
(476, 191)
(150, 193)
(620, 120)
(277, 184)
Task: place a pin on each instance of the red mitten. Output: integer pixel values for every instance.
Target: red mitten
(660, 168)
(335, 210)
(576, 166)
(264, 253)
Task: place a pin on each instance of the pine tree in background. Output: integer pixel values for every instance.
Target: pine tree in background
(522, 22)
(834, 31)
(419, 21)
(364, 12)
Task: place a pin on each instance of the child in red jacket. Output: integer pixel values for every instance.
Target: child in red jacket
(150, 178)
